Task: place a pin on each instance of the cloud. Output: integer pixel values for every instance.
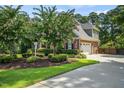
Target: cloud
(102, 11)
(60, 10)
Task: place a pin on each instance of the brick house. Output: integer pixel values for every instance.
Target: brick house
(87, 39)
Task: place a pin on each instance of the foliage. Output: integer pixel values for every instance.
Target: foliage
(58, 57)
(93, 18)
(26, 55)
(68, 51)
(56, 27)
(61, 51)
(41, 50)
(48, 51)
(29, 51)
(6, 58)
(80, 56)
(11, 23)
(81, 19)
(40, 54)
(18, 56)
(50, 56)
(32, 59)
(71, 55)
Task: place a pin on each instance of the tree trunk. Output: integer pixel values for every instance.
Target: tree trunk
(54, 49)
(40, 45)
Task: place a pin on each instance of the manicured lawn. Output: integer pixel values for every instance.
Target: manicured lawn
(26, 77)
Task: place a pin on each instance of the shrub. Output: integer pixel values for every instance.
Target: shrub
(29, 51)
(71, 51)
(32, 59)
(68, 51)
(48, 51)
(6, 59)
(50, 56)
(25, 55)
(58, 58)
(83, 56)
(72, 59)
(18, 56)
(71, 55)
(40, 55)
(41, 50)
(80, 56)
(60, 51)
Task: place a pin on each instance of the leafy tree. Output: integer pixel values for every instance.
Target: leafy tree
(11, 22)
(56, 27)
(111, 29)
(81, 19)
(84, 19)
(93, 18)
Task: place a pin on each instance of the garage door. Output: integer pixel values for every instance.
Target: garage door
(86, 48)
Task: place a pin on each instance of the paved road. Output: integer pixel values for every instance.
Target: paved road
(108, 74)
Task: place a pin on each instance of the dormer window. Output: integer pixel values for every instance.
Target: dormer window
(89, 32)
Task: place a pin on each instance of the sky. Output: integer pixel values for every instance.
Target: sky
(82, 9)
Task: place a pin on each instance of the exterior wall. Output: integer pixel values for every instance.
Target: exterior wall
(95, 34)
(94, 47)
(75, 45)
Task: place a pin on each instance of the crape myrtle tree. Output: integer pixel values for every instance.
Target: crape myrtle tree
(11, 23)
(56, 27)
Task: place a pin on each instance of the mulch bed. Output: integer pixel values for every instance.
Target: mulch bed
(22, 63)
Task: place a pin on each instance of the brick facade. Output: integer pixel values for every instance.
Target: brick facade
(75, 45)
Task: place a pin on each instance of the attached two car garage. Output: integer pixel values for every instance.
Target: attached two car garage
(86, 48)
(89, 47)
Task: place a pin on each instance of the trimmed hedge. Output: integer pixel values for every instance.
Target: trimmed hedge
(41, 49)
(6, 59)
(68, 51)
(32, 59)
(18, 56)
(40, 55)
(26, 55)
(60, 51)
(57, 58)
(71, 55)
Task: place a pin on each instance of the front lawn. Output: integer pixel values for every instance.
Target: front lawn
(25, 77)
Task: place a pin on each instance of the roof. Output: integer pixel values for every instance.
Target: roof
(82, 34)
(87, 26)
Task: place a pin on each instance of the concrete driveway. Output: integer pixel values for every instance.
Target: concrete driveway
(108, 74)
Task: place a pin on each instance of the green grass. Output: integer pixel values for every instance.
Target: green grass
(25, 77)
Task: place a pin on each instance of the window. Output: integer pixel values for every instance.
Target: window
(89, 32)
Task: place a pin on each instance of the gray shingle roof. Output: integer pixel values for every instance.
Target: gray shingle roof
(87, 26)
